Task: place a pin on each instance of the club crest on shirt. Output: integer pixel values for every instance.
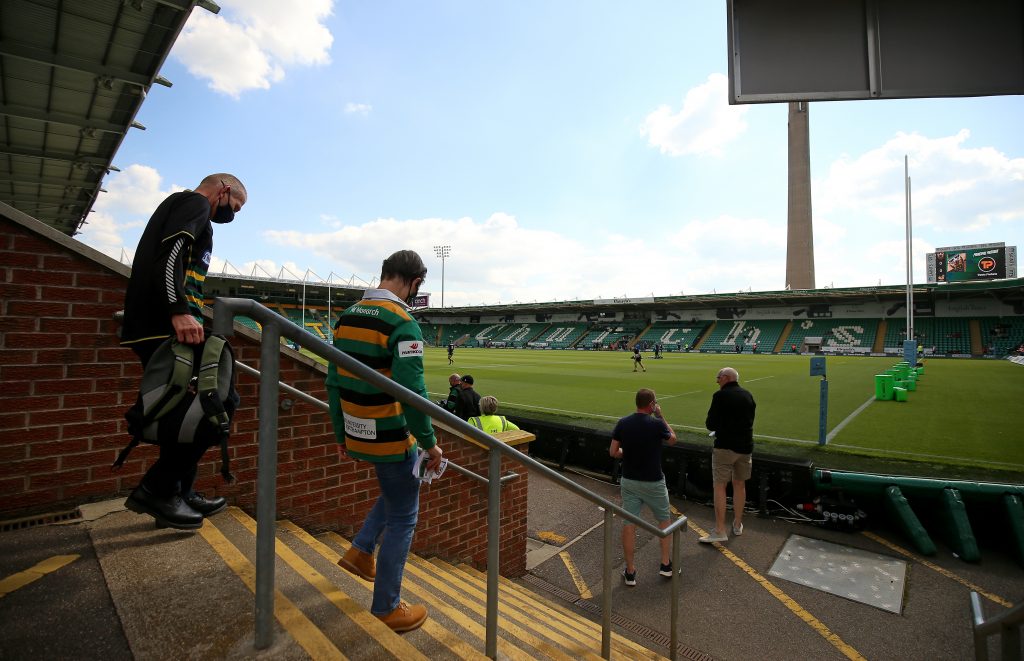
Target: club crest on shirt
(410, 349)
(206, 257)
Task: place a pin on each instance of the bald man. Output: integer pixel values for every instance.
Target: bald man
(731, 420)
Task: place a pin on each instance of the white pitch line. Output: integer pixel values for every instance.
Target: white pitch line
(682, 394)
(848, 420)
(760, 378)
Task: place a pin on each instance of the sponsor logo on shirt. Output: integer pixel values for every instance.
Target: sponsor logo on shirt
(206, 257)
(360, 428)
(373, 312)
(410, 349)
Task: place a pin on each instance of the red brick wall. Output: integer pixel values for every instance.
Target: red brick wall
(65, 385)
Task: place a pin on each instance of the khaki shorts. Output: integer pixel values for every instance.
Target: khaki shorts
(727, 465)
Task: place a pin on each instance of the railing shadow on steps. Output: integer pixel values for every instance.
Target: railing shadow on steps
(274, 327)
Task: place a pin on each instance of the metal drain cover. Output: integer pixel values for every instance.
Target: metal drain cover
(870, 578)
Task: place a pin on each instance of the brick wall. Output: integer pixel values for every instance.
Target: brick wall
(65, 385)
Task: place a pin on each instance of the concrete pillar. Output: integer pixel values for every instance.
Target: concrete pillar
(800, 234)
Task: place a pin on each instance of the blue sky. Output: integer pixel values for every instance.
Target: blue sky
(562, 149)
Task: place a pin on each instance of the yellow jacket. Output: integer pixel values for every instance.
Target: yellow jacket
(492, 424)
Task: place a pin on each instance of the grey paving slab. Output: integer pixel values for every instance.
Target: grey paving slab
(67, 614)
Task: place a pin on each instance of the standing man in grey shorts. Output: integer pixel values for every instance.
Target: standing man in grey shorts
(637, 440)
(731, 421)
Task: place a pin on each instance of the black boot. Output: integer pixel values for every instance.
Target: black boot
(206, 506)
(170, 512)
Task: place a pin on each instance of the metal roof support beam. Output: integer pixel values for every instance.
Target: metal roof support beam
(45, 181)
(42, 56)
(25, 112)
(48, 200)
(99, 163)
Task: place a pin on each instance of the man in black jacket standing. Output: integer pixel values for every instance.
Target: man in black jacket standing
(165, 299)
(469, 399)
(731, 421)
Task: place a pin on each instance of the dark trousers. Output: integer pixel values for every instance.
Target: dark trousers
(175, 470)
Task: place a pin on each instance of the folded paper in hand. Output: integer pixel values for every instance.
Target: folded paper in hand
(419, 469)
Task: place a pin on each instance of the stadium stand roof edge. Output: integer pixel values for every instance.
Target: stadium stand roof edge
(74, 76)
(1008, 291)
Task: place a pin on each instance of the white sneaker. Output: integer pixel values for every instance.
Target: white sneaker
(714, 536)
(737, 529)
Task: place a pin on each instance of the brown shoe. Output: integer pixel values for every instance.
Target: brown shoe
(405, 617)
(359, 563)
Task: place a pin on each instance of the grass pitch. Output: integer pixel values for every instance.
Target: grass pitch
(965, 414)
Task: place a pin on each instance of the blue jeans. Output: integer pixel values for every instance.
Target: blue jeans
(392, 522)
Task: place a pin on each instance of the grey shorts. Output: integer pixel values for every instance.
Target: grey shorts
(727, 465)
(635, 494)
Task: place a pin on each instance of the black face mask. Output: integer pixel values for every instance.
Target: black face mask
(224, 214)
(412, 294)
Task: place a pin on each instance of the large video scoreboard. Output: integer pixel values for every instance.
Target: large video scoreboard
(983, 261)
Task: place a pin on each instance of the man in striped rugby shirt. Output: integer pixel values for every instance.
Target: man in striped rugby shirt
(373, 426)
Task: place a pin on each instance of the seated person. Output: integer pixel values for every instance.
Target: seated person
(488, 421)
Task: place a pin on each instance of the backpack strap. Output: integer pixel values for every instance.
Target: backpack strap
(209, 374)
(209, 395)
(181, 381)
(123, 454)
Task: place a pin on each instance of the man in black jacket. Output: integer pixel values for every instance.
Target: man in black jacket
(469, 399)
(731, 421)
(165, 299)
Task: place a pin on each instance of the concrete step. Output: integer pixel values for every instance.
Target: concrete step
(576, 625)
(174, 596)
(549, 630)
(193, 593)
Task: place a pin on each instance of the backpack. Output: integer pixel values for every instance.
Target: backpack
(187, 395)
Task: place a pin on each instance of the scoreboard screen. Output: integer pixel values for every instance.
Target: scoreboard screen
(970, 263)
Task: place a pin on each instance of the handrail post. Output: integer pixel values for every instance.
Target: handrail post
(493, 552)
(1009, 641)
(677, 544)
(266, 485)
(977, 620)
(606, 596)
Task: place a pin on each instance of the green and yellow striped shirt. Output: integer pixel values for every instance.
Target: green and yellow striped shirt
(372, 425)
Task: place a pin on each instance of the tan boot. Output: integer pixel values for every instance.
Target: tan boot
(405, 617)
(359, 563)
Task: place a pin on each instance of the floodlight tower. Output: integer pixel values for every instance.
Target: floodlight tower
(800, 232)
(443, 252)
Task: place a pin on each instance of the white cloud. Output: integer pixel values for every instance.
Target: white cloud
(251, 43)
(358, 109)
(132, 196)
(960, 194)
(703, 126)
(953, 186)
(497, 259)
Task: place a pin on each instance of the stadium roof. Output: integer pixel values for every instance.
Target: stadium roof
(1007, 291)
(73, 76)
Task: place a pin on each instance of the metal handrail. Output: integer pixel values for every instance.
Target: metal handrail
(320, 404)
(1007, 624)
(274, 326)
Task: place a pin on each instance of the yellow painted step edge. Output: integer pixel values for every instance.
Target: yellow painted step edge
(388, 639)
(305, 633)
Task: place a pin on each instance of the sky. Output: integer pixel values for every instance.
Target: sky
(565, 150)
